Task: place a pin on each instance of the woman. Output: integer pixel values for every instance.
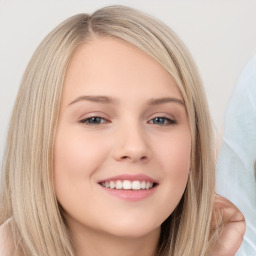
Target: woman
(110, 145)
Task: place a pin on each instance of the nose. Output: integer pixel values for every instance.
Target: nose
(132, 145)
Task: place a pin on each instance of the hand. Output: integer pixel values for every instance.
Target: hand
(232, 225)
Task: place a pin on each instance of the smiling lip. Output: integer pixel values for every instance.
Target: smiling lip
(129, 187)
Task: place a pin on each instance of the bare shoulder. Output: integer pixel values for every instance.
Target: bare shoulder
(6, 247)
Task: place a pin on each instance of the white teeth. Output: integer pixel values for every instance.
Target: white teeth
(119, 184)
(128, 185)
(143, 184)
(136, 185)
(112, 184)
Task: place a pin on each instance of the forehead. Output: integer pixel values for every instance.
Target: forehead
(109, 65)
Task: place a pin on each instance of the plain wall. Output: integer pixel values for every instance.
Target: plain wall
(219, 33)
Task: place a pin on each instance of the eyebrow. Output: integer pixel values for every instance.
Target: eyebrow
(100, 99)
(111, 100)
(165, 100)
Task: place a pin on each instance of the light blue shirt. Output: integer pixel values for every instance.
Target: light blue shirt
(235, 167)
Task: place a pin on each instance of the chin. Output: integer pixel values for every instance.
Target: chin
(133, 230)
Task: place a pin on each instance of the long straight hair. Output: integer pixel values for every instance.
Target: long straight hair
(27, 191)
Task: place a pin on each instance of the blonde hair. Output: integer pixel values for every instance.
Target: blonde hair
(27, 195)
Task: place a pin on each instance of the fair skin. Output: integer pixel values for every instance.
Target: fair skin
(142, 129)
(122, 114)
(233, 227)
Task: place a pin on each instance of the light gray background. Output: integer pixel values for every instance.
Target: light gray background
(221, 35)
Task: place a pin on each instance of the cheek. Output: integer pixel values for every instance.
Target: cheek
(76, 158)
(175, 153)
(174, 158)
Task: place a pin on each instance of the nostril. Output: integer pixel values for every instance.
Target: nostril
(124, 157)
(134, 158)
(139, 158)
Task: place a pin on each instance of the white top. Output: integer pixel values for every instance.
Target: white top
(235, 167)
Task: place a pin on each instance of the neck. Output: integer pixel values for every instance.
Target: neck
(93, 243)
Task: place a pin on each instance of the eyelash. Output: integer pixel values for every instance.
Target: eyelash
(166, 119)
(86, 121)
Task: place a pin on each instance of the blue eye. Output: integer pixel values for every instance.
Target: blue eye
(162, 121)
(95, 120)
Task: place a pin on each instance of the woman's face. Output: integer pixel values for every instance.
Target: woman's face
(123, 142)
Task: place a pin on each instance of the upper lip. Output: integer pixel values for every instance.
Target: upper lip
(130, 177)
